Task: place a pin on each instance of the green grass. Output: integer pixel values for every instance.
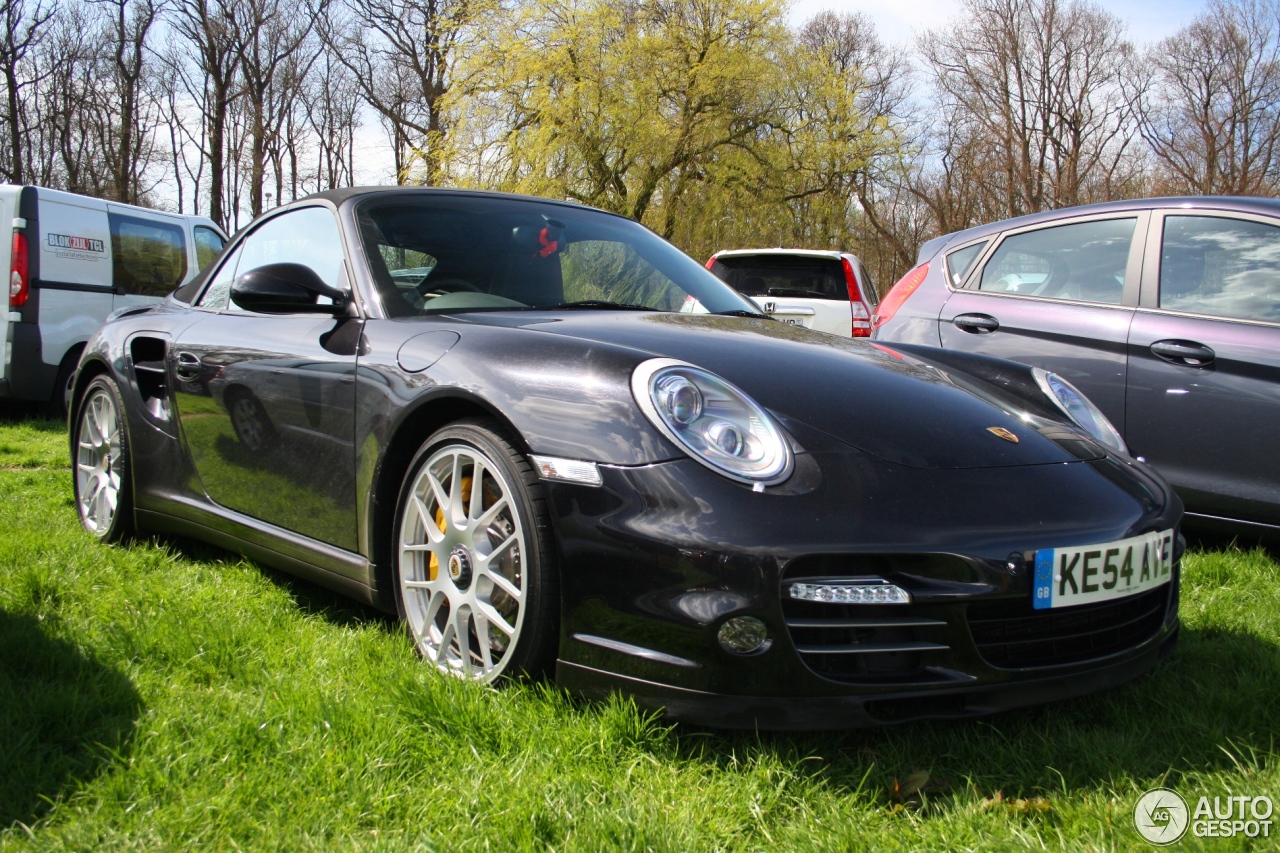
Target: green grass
(169, 695)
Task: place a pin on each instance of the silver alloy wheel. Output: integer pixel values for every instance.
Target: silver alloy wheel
(97, 457)
(462, 563)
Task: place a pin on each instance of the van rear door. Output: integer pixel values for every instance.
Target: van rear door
(73, 279)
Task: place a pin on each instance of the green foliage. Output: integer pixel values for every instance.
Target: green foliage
(708, 120)
(167, 695)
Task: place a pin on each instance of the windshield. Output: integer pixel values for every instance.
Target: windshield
(437, 253)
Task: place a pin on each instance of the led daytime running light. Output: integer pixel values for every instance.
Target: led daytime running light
(849, 592)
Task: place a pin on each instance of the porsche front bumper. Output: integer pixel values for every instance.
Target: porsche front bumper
(658, 558)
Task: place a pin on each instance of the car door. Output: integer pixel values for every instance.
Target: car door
(1204, 362)
(267, 402)
(1058, 295)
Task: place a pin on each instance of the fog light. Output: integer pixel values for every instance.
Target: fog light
(850, 592)
(744, 635)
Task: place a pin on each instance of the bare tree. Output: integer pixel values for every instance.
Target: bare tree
(1036, 85)
(128, 117)
(332, 110)
(275, 55)
(1210, 102)
(25, 27)
(401, 54)
(209, 30)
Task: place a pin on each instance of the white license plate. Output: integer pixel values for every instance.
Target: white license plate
(1084, 575)
(793, 321)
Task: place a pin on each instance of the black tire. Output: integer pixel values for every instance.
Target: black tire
(59, 405)
(530, 561)
(250, 420)
(102, 477)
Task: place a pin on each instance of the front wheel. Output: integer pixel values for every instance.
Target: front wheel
(103, 489)
(475, 574)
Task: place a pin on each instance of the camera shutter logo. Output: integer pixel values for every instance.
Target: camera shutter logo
(1161, 816)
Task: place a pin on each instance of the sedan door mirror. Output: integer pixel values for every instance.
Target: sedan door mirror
(286, 288)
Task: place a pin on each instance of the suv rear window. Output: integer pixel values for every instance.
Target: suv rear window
(783, 275)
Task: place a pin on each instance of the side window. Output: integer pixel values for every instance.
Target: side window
(1085, 261)
(208, 245)
(959, 262)
(148, 257)
(1219, 266)
(308, 236)
(218, 293)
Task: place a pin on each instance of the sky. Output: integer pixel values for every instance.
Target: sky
(899, 20)
(896, 21)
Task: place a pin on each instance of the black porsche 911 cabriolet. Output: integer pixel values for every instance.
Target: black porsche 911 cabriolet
(553, 443)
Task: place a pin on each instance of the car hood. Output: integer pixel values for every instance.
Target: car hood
(863, 394)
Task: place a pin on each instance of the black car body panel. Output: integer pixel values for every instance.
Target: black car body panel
(287, 438)
(1185, 364)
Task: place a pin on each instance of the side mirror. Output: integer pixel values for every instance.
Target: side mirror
(286, 289)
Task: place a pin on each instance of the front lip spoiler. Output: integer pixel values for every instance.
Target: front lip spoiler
(829, 713)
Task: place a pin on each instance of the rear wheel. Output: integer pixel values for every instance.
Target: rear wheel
(475, 576)
(250, 421)
(103, 489)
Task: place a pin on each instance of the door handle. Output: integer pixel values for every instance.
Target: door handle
(976, 324)
(188, 366)
(1188, 353)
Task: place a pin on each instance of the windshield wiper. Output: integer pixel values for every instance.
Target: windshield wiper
(801, 292)
(739, 312)
(588, 304)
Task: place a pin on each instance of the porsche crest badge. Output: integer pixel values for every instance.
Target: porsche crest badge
(1001, 432)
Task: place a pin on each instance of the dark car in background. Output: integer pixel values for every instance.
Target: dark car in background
(494, 417)
(1164, 312)
(820, 290)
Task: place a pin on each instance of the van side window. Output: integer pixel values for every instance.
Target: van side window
(148, 257)
(208, 245)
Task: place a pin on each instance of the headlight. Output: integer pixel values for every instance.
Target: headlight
(717, 424)
(1079, 408)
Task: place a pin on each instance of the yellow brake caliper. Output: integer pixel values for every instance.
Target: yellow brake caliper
(489, 497)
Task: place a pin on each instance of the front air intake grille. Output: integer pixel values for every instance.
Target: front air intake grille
(1011, 634)
(869, 643)
(864, 641)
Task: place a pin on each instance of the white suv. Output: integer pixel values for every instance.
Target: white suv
(825, 291)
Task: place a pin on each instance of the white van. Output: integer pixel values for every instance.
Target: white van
(72, 261)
